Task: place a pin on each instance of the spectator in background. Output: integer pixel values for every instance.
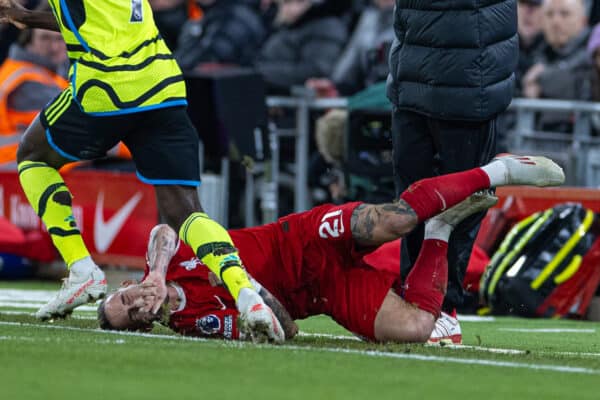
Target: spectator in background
(30, 77)
(308, 41)
(365, 58)
(592, 76)
(566, 34)
(531, 38)
(230, 32)
(591, 80)
(326, 165)
(169, 16)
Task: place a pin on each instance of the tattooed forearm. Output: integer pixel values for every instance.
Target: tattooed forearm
(373, 225)
(162, 246)
(287, 323)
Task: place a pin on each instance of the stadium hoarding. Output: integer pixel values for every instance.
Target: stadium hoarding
(114, 210)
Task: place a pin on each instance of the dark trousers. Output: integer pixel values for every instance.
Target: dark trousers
(425, 147)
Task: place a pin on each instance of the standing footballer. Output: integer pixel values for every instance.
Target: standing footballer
(124, 86)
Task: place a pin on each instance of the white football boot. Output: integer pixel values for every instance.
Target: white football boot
(257, 321)
(446, 331)
(531, 170)
(86, 283)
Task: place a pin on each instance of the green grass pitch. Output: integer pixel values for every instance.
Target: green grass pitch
(502, 358)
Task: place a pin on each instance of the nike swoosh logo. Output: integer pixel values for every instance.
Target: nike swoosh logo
(106, 231)
(441, 198)
(223, 307)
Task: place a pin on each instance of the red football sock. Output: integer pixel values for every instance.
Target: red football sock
(426, 283)
(430, 196)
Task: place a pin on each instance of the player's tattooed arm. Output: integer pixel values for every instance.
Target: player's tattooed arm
(162, 246)
(287, 323)
(375, 224)
(12, 11)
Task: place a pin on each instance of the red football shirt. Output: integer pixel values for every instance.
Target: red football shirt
(307, 260)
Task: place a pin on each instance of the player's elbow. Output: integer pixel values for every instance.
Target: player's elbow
(396, 226)
(290, 330)
(161, 230)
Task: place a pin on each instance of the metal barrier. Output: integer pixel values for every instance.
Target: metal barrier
(303, 104)
(577, 151)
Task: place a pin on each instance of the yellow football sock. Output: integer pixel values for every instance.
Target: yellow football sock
(51, 200)
(213, 246)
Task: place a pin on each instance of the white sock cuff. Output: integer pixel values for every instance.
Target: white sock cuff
(496, 171)
(437, 229)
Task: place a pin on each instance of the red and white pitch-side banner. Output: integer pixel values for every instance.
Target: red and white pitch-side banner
(114, 210)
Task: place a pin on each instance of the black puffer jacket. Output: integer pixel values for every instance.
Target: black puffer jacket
(454, 59)
(231, 32)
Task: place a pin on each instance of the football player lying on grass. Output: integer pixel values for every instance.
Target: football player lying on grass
(330, 260)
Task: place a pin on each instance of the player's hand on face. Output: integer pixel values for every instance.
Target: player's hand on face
(156, 292)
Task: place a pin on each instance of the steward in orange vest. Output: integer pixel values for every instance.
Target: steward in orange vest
(28, 80)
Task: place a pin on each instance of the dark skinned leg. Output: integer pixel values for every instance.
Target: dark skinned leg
(176, 203)
(180, 208)
(35, 147)
(38, 163)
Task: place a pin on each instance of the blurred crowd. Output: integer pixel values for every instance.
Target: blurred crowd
(335, 47)
(332, 47)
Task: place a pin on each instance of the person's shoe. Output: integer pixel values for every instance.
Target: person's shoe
(257, 321)
(86, 283)
(531, 170)
(446, 331)
(479, 201)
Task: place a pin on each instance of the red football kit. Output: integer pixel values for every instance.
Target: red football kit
(308, 261)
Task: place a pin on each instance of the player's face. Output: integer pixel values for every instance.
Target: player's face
(124, 309)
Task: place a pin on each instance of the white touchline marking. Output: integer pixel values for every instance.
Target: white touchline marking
(35, 306)
(474, 318)
(549, 330)
(481, 348)
(75, 316)
(370, 353)
(351, 338)
(449, 346)
(25, 339)
(27, 295)
(329, 336)
(43, 296)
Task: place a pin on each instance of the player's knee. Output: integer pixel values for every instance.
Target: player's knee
(423, 326)
(414, 326)
(24, 152)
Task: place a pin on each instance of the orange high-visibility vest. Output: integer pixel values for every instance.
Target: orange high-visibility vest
(13, 73)
(8, 150)
(194, 12)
